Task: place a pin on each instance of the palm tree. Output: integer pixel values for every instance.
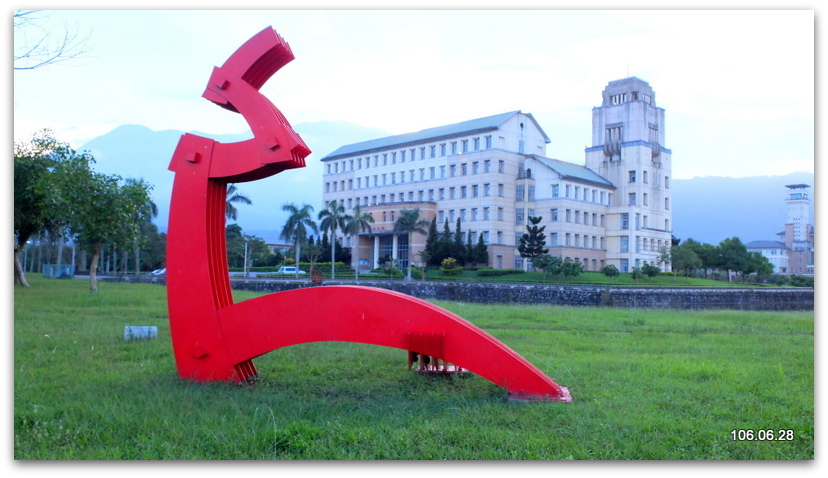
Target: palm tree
(234, 196)
(359, 222)
(408, 223)
(332, 218)
(297, 226)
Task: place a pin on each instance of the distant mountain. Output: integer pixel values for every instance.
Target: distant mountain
(134, 151)
(707, 209)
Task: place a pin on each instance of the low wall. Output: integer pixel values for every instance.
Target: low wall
(504, 293)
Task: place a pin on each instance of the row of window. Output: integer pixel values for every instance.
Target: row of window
(582, 193)
(632, 176)
(410, 154)
(414, 175)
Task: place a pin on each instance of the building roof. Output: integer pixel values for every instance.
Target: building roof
(765, 245)
(573, 171)
(479, 125)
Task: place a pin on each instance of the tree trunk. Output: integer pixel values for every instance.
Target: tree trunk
(137, 260)
(297, 259)
(333, 254)
(93, 277)
(355, 253)
(409, 257)
(19, 274)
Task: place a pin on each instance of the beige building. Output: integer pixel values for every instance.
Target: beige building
(493, 173)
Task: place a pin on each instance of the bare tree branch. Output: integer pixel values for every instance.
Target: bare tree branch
(36, 46)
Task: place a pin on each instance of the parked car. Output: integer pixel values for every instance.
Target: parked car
(290, 270)
(158, 272)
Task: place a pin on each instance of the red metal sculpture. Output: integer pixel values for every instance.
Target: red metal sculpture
(215, 339)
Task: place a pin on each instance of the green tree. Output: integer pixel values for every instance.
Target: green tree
(358, 221)
(432, 244)
(533, 240)
(650, 270)
(684, 258)
(571, 268)
(233, 196)
(408, 223)
(333, 218)
(732, 255)
(34, 161)
(544, 263)
(458, 249)
(297, 226)
(610, 271)
(481, 252)
(757, 263)
(143, 218)
(102, 210)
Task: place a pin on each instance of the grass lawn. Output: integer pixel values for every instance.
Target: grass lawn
(646, 384)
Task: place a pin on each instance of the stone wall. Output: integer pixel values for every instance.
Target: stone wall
(643, 297)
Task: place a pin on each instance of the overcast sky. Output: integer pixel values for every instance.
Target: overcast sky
(737, 86)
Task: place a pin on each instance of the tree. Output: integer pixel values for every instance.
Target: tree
(757, 263)
(571, 268)
(458, 250)
(532, 242)
(481, 252)
(143, 218)
(650, 270)
(358, 221)
(432, 245)
(296, 227)
(102, 210)
(233, 196)
(332, 218)
(545, 263)
(685, 259)
(35, 46)
(408, 223)
(610, 271)
(33, 163)
(732, 255)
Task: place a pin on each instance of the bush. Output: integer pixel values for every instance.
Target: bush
(454, 271)
(498, 272)
(610, 271)
(449, 263)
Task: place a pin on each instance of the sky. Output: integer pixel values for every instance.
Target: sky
(737, 86)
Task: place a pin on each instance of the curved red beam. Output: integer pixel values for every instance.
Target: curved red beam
(215, 339)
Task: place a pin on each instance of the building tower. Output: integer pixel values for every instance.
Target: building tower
(627, 149)
(799, 233)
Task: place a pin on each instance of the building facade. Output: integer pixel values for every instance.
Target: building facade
(793, 253)
(493, 173)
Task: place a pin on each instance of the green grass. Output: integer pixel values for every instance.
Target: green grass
(647, 384)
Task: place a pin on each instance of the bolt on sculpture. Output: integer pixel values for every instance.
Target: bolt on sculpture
(215, 339)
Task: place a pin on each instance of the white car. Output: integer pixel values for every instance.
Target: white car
(158, 272)
(290, 270)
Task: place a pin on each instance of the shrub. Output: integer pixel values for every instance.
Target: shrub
(498, 272)
(610, 271)
(453, 271)
(449, 263)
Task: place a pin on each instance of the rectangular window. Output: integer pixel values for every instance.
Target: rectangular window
(519, 215)
(501, 166)
(568, 215)
(632, 199)
(422, 152)
(474, 214)
(465, 146)
(443, 149)
(486, 214)
(454, 147)
(625, 221)
(464, 169)
(452, 171)
(531, 192)
(644, 176)
(477, 144)
(555, 190)
(625, 244)
(441, 194)
(487, 189)
(487, 166)
(433, 151)
(553, 239)
(451, 193)
(475, 167)
(519, 192)
(402, 156)
(489, 142)
(462, 192)
(474, 191)
(631, 176)
(431, 173)
(500, 214)
(553, 214)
